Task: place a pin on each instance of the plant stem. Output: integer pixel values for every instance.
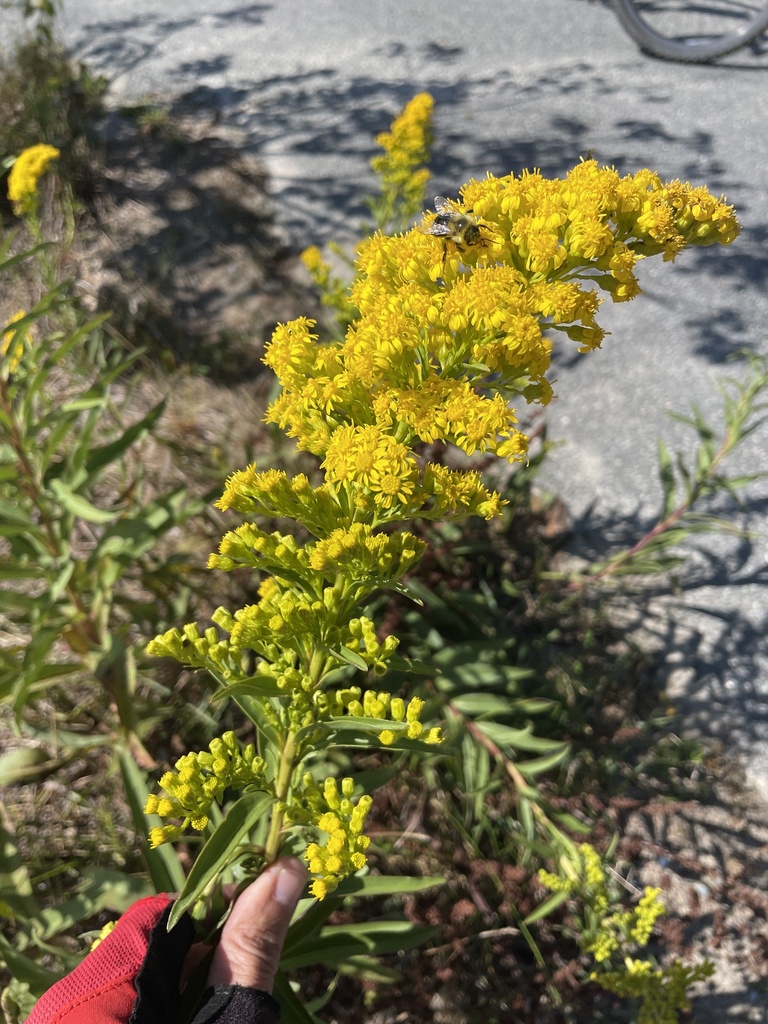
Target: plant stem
(282, 788)
(665, 524)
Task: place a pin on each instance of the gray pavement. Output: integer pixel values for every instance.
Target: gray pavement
(533, 83)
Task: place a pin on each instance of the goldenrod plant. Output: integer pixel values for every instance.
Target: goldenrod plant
(402, 175)
(73, 515)
(612, 936)
(401, 168)
(450, 334)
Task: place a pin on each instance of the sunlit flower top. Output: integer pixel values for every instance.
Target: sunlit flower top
(25, 174)
(449, 334)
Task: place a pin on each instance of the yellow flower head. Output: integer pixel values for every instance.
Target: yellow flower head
(12, 344)
(26, 172)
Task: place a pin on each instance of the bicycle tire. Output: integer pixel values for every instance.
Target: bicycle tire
(687, 49)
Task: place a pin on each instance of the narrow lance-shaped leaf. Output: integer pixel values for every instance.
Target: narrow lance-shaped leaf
(163, 863)
(336, 943)
(550, 904)
(79, 506)
(220, 849)
(667, 479)
(108, 453)
(23, 969)
(294, 1010)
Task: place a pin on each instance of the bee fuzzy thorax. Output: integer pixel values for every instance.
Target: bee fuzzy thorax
(455, 225)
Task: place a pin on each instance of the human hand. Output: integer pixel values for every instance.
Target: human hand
(249, 950)
(135, 973)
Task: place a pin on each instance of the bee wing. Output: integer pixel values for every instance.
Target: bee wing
(443, 205)
(439, 229)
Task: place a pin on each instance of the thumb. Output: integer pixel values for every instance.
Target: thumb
(252, 940)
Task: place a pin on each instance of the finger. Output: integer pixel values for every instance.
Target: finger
(249, 950)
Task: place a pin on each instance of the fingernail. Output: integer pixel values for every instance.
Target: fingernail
(291, 881)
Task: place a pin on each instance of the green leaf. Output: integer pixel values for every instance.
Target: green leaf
(525, 814)
(310, 916)
(294, 1011)
(481, 704)
(80, 506)
(11, 513)
(21, 572)
(667, 479)
(473, 704)
(131, 536)
(253, 686)
(410, 666)
(477, 666)
(91, 399)
(14, 603)
(532, 705)
(337, 943)
(220, 849)
(407, 590)
(108, 453)
(99, 889)
(24, 764)
(13, 261)
(350, 657)
(59, 585)
(519, 739)
(365, 968)
(27, 539)
(23, 969)
(539, 765)
(163, 863)
(387, 885)
(16, 890)
(552, 902)
(58, 427)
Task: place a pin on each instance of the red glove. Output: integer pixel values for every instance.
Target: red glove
(133, 975)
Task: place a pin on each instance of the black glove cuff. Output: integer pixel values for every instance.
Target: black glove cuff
(234, 1004)
(157, 983)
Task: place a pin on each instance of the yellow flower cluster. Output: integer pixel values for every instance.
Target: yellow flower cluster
(355, 553)
(449, 333)
(584, 878)
(595, 218)
(12, 344)
(106, 930)
(662, 990)
(400, 167)
(272, 493)
(207, 650)
(383, 707)
(343, 851)
(29, 167)
(200, 779)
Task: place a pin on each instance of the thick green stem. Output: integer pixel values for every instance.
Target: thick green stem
(282, 788)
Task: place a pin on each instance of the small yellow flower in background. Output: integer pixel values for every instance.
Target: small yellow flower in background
(30, 166)
(13, 344)
(108, 928)
(406, 146)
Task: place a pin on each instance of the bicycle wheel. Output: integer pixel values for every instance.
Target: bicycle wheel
(694, 31)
